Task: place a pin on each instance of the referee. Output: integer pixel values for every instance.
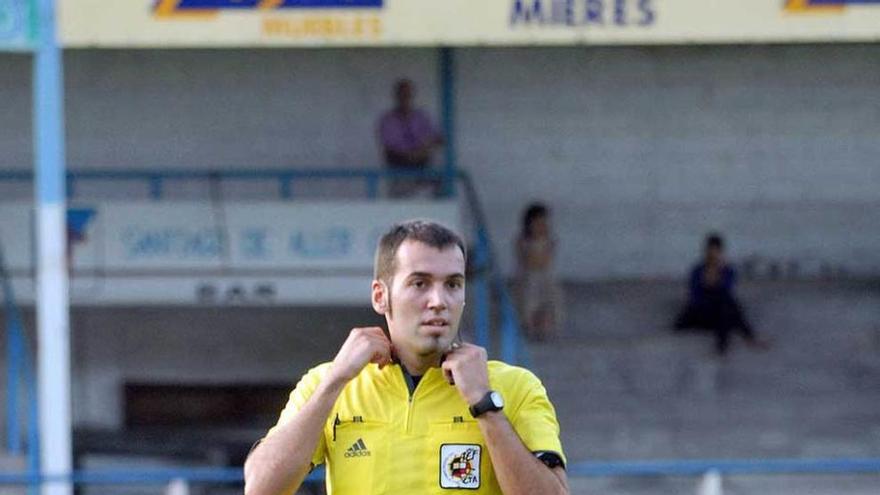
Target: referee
(413, 410)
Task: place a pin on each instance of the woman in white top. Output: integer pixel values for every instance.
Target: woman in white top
(540, 297)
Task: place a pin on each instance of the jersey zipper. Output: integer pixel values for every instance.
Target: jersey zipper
(409, 408)
(407, 427)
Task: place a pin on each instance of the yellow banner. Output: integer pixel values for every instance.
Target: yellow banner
(219, 23)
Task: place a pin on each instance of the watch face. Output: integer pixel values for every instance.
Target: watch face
(497, 401)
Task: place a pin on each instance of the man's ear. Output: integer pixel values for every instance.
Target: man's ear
(380, 297)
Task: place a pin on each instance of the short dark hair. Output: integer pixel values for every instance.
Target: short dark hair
(533, 211)
(714, 240)
(425, 231)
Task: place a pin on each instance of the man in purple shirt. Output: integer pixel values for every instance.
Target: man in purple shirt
(408, 139)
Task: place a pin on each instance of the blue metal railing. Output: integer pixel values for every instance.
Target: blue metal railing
(574, 470)
(20, 371)
(724, 466)
(490, 277)
(285, 179)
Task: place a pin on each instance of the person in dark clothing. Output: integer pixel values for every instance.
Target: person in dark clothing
(712, 304)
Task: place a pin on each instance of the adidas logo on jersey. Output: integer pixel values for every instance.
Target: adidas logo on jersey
(358, 449)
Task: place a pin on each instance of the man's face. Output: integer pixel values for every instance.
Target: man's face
(541, 226)
(714, 255)
(426, 297)
(403, 96)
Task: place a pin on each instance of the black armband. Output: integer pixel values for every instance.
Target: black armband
(550, 459)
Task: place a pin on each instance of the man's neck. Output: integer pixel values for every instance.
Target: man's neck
(418, 365)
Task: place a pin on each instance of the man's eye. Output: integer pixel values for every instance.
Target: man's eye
(454, 284)
(418, 283)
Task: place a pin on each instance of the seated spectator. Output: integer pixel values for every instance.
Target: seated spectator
(712, 304)
(540, 297)
(408, 140)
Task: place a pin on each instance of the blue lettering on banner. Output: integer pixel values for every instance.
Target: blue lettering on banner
(562, 12)
(583, 13)
(172, 243)
(11, 19)
(332, 242)
(620, 12)
(595, 12)
(253, 243)
(648, 14)
(16, 30)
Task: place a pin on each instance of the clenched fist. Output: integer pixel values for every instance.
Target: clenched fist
(466, 367)
(363, 346)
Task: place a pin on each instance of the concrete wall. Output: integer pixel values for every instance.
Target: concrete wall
(197, 345)
(642, 150)
(110, 347)
(639, 151)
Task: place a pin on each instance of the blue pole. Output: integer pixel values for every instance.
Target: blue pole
(285, 186)
(53, 336)
(482, 295)
(14, 356)
(13, 353)
(509, 335)
(33, 429)
(373, 186)
(447, 103)
(156, 187)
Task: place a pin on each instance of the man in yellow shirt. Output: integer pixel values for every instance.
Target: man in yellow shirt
(413, 411)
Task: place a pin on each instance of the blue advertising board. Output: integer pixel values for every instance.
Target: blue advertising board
(18, 25)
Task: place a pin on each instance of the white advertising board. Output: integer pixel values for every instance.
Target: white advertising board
(203, 253)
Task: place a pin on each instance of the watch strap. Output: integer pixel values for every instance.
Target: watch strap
(484, 405)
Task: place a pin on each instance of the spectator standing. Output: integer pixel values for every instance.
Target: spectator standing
(540, 296)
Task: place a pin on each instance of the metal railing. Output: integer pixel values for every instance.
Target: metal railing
(679, 467)
(286, 180)
(20, 373)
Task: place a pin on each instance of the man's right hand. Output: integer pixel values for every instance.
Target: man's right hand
(281, 461)
(363, 346)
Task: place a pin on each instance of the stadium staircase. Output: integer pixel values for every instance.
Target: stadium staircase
(628, 389)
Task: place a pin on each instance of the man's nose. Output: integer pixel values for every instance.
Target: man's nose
(437, 298)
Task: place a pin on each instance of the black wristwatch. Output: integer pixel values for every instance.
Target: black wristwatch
(492, 401)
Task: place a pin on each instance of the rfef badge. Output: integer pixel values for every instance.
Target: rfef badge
(460, 466)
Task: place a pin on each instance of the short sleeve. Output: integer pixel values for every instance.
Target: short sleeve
(426, 127)
(390, 135)
(298, 398)
(534, 417)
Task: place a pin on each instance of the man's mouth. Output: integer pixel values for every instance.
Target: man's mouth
(435, 322)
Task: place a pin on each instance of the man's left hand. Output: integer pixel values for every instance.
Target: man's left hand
(465, 366)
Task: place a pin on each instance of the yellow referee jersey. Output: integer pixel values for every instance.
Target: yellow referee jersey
(380, 439)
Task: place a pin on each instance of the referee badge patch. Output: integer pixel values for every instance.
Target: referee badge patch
(460, 466)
